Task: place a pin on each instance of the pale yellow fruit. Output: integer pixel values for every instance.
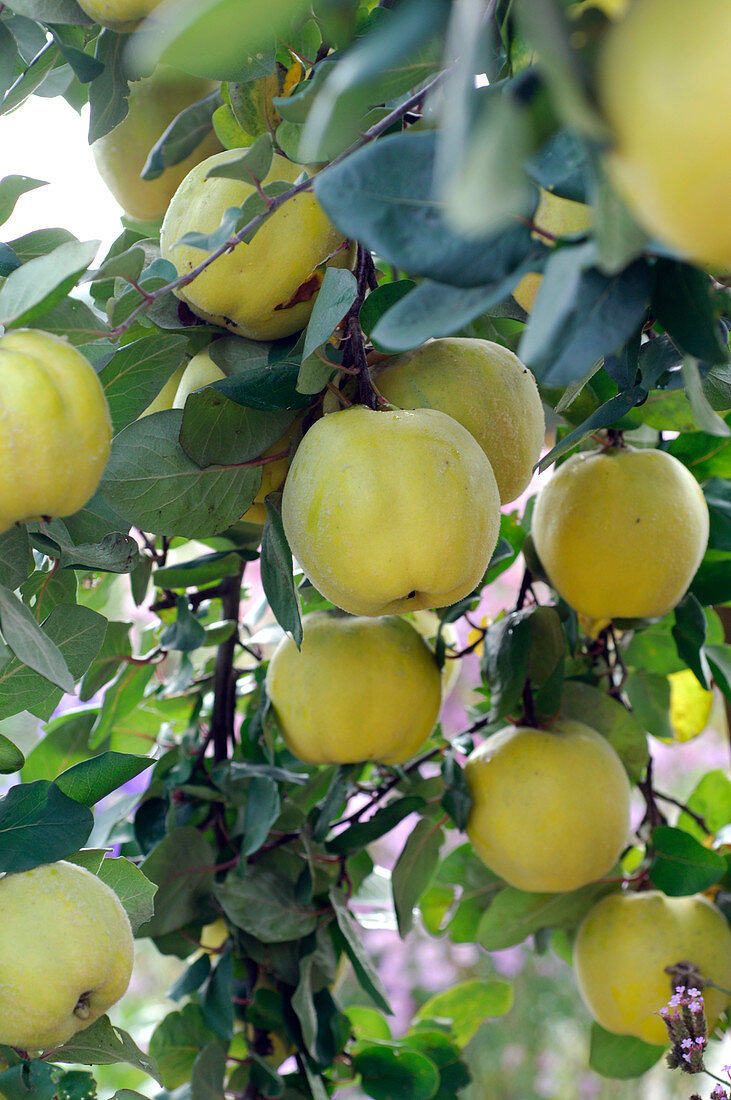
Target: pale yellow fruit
(358, 689)
(560, 217)
(690, 705)
(166, 396)
(664, 87)
(486, 388)
(66, 953)
(623, 946)
(121, 154)
(55, 429)
(118, 15)
(265, 289)
(389, 512)
(214, 936)
(272, 475)
(200, 372)
(621, 533)
(550, 809)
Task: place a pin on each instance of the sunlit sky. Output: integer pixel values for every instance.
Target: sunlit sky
(47, 139)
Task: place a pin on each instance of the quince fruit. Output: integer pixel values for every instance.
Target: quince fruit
(166, 396)
(55, 429)
(621, 532)
(690, 705)
(200, 372)
(486, 388)
(550, 808)
(359, 689)
(624, 945)
(389, 512)
(120, 155)
(66, 953)
(118, 15)
(264, 289)
(560, 217)
(663, 86)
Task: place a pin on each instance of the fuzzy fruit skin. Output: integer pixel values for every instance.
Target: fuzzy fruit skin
(120, 155)
(663, 85)
(63, 934)
(486, 388)
(389, 512)
(550, 809)
(247, 290)
(621, 533)
(55, 429)
(359, 689)
(118, 15)
(623, 946)
(560, 217)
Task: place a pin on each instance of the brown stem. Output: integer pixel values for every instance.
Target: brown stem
(224, 680)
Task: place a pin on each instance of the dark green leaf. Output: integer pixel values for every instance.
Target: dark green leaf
(30, 644)
(217, 430)
(40, 824)
(681, 865)
(261, 375)
(334, 299)
(176, 1042)
(351, 940)
(133, 889)
(15, 559)
(103, 1044)
(263, 806)
(51, 11)
(217, 1003)
(276, 574)
(621, 1056)
(683, 305)
(689, 634)
(207, 1074)
(136, 374)
(152, 483)
(264, 904)
(186, 634)
(182, 867)
(91, 780)
(11, 188)
(11, 758)
(184, 134)
(391, 1073)
(191, 979)
(413, 871)
(108, 92)
(623, 731)
(198, 571)
(515, 914)
(505, 661)
(381, 822)
(29, 1078)
(456, 799)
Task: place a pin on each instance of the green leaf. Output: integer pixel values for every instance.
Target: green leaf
(620, 727)
(40, 824)
(466, 1006)
(176, 1043)
(122, 696)
(136, 373)
(265, 905)
(414, 869)
(456, 799)
(649, 697)
(65, 743)
(207, 1074)
(445, 1054)
(78, 633)
(621, 1056)
(151, 482)
(217, 1003)
(34, 288)
(706, 417)
(515, 914)
(34, 1078)
(260, 375)
(186, 634)
(181, 865)
(191, 979)
(91, 780)
(184, 134)
(381, 822)
(108, 93)
(198, 572)
(103, 1044)
(689, 635)
(210, 39)
(580, 314)
(681, 865)
(11, 758)
(683, 305)
(711, 799)
(351, 940)
(276, 574)
(30, 644)
(263, 807)
(251, 165)
(133, 889)
(51, 11)
(505, 661)
(32, 77)
(217, 430)
(391, 1073)
(15, 559)
(383, 197)
(335, 297)
(11, 188)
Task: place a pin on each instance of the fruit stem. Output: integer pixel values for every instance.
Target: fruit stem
(224, 681)
(353, 341)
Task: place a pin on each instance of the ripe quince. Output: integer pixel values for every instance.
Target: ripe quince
(624, 945)
(621, 532)
(120, 155)
(66, 953)
(264, 289)
(360, 688)
(389, 512)
(670, 159)
(486, 388)
(560, 217)
(550, 807)
(55, 428)
(118, 15)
